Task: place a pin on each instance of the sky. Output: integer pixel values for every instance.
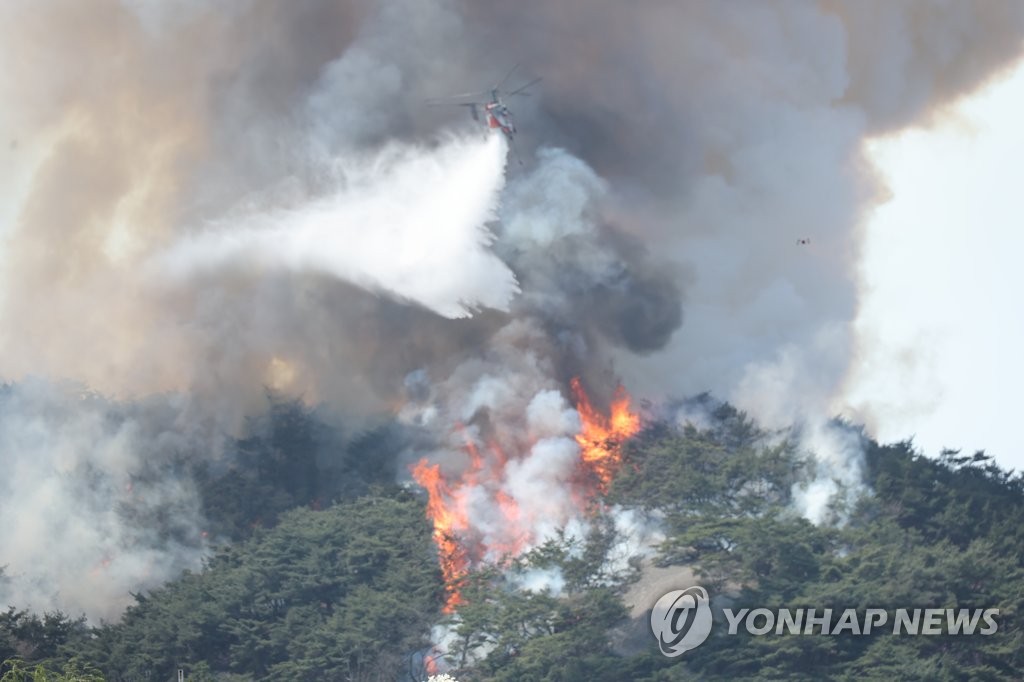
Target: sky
(940, 328)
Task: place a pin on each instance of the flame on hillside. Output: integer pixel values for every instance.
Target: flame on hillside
(601, 436)
(461, 540)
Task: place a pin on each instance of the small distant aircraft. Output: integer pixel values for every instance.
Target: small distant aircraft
(493, 113)
(804, 241)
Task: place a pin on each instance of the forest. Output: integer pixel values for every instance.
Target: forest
(329, 571)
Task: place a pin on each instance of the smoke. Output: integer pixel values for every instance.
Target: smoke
(92, 507)
(202, 202)
(578, 271)
(509, 413)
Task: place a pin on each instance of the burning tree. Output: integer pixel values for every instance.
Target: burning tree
(464, 541)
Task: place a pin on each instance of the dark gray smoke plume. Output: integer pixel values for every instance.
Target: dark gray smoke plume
(202, 200)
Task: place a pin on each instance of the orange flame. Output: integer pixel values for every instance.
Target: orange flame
(448, 501)
(600, 437)
(447, 522)
(430, 663)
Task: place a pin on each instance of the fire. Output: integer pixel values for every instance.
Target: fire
(430, 663)
(463, 544)
(448, 521)
(600, 437)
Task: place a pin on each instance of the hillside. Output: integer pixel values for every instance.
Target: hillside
(313, 590)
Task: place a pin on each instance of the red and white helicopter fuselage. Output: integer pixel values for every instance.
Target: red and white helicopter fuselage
(498, 117)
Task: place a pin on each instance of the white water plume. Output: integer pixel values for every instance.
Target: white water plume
(409, 222)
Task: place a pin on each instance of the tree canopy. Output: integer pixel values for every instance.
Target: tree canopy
(333, 576)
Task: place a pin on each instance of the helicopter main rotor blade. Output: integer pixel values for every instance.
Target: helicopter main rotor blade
(449, 98)
(507, 75)
(519, 91)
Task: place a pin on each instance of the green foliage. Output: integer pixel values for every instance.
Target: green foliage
(508, 633)
(722, 471)
(941, 533)
(29, 637)
(344, 593)
(351, 592)
(291, 457)
(780, 554)
(954, 498)
(16, 670)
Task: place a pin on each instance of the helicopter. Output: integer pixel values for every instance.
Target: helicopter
(493, 113)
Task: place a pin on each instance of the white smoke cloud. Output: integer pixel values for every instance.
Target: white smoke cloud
(505, 408)
(786, 396)
(80, 478)
(838, 472)
(539, 483)
(553, 201)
